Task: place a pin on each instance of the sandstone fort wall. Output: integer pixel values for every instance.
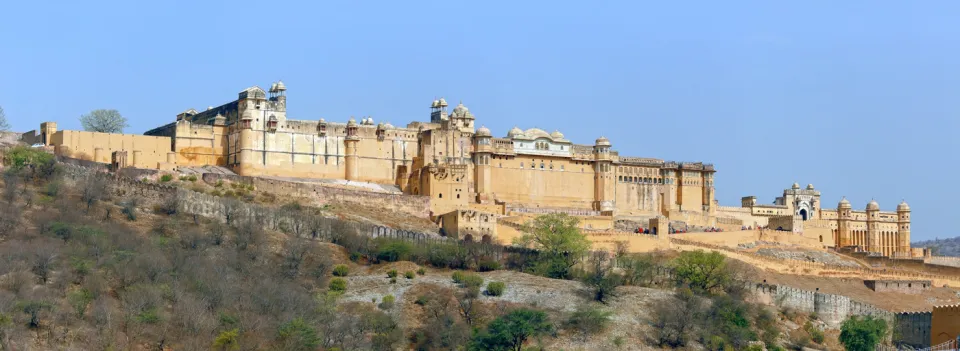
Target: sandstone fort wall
(418, 206)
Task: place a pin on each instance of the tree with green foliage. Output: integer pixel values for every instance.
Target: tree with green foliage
(298, 335)
(509, 332)
(704, 272)
(227, 340)
(33, 163)
(862, 333)
(588, 320)
(559, 241)
(103, 121)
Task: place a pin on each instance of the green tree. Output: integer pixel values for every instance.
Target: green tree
(703, 272)
(509, 332)
(104, 121)
(227, 340)
(4, 125)
(862, 334)
(298, 335)
(560, 243)
(601, 277)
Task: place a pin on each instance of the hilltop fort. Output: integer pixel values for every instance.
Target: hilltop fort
(477, 183)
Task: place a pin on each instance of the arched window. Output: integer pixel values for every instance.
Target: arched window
(441, 195)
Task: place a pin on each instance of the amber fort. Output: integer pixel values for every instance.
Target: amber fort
(479, 182)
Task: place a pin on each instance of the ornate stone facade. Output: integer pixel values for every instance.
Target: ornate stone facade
(446, 158)
(885, 233)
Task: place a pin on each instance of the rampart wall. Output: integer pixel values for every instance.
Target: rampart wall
(830, 308)
(414, 205)
(913, 328)
(206, 204)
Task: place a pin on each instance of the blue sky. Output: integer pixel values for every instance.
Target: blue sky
(859, 98)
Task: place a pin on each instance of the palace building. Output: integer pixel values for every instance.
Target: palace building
(463, 168)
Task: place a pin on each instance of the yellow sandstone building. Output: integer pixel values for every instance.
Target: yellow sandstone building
(471, 176)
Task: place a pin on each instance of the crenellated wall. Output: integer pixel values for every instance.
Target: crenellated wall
(832, 309)
(153, 193)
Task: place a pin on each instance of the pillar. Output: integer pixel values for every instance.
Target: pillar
(98, 155)
(172, 158)
(351, 158)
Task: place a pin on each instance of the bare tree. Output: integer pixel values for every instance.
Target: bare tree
(294, 252)
(93, 189)
(4, 125)
(43, 259)
(103, 121)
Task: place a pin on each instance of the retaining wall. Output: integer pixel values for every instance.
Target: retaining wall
(414, 205)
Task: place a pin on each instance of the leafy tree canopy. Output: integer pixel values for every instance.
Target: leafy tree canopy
(704, 272)
(512, 330)
(862, 334)
(560, 243)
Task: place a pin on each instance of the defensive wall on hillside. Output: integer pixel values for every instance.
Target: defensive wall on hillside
(415, 205)
(911, 328)
(205, 204)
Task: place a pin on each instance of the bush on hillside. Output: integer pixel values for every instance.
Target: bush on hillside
(496, 288)
(338, 285)
(862, 333)
(341, 270)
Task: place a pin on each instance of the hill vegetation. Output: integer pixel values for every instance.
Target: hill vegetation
(84, 270)
(941, 247)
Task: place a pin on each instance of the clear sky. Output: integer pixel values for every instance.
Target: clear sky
(859, 98)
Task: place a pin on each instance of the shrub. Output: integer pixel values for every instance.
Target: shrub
(227, 340)
(192, 178)
(488, 265)
(387, 302)
(472, 281)
(297, 334)
(510, 331)
(858, 334)
(393, 280)
(496, 288)
(422, 300)
(409, 274)
(457, 277)
(588, 320)
(166, 178)
(817, 336)
(421, 271)
(218, 184)
(394, 250)
(341, 270)
(338, 285)
(130, 208)
(704, 272)
(392, 273)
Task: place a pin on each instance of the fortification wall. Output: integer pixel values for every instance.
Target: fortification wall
(830, 308)
(145, 151)
(913, 328)
(945, 324)
(418, 206)
(899, 286)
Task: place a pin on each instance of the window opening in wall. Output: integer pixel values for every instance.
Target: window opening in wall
(458, 196)
(441, 195)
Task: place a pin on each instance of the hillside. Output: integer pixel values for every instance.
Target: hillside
(941, 247)
(86, 268)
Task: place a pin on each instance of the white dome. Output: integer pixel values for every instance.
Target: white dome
(515, 132)
(556, 135)
(809, 186)
(280, 86)
(873, 205)
(795, 186)
(603, 141)
(844, 203)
